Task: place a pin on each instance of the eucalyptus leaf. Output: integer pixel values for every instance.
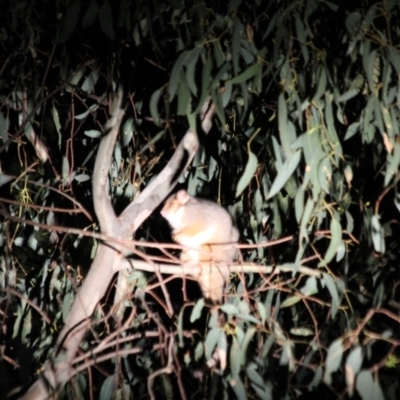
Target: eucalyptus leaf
(353, 366)
(378, 234)
(330, 284)
(197, 309)
(333, 359)
(70, 22)
(247, 175)
(367, 387)
(284, 173)
(105, 19)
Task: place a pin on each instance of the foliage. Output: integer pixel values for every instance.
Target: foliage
(306, 145)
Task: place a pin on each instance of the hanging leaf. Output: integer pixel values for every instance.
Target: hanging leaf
(330, 284)
(247, 175)
(353, 365)
(175, 77)
(105, 19)
(378, 234)
(367, 387)
(155, 97)
(284, 173)
(336, 239)
(310, 286)
(246, 75)
(333, 359)
(90, 82)
(91, 14)
(70, 22)
(197, 309)
(108, 387)
(290, 301)
(4, 124)
(190, 70)
(250, 168)
(211, 341)
(352, 130)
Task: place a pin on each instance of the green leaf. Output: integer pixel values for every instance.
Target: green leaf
(310, 286)
(190, 70)
(238, 388)
(287, 355)
(90, 82)
(268, 345)
(222, 349)
(127, 132)
(70, 21)
(308, 210)
(154, 99)
(322, 80)
(336, 239)
(108, 387)
(393, 162)
(353, 365)
(330, 284)
(283, 126)
(333, 359)
(247, 175)
(205, 79)
(352, 130)
(184, 98)
(233, 5)
(299, 203)
(262, 311)
(105, 19)
(246, 75)
(301, 331)
(284, 173)
(65, 168)
(237, 35)
(91, 14)
(317, 379)
(256, 378)
(349, 94)
(248, 318)
(229, 309)
(394, 57)
(211, 341)
(175, 77)
(92, 108)
(353, 22)
(369, 70)
(235, 358)
(154, 140)
(325, 174)
(367, 387)
(76, 77)
(378, 234)
(197, 309)
(82, 178)
(94, 134)
(302, 37)
(387, 120)
(4, 124)
(290, 301)
(180, 325)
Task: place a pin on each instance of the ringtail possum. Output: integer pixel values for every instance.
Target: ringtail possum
(208, 234)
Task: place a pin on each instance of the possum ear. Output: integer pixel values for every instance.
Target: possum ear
(182, 196)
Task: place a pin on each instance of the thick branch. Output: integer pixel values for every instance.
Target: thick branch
(108, 257)
(101, 197)
(134, 215)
